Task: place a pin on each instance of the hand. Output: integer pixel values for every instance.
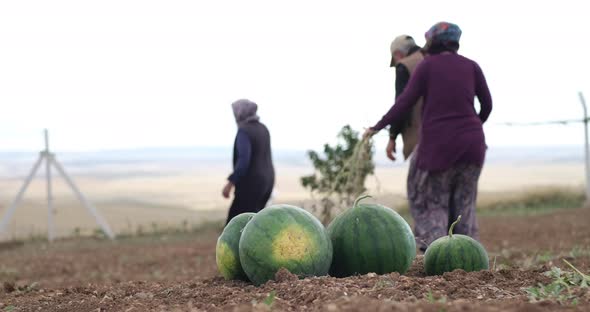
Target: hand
(390, 150)
(227, 189)
(369, 133)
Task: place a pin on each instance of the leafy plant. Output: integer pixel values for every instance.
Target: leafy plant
(384, 281)
(99, 233)
(578, 251)
(431, 299)
(270, 299)
(562, 288)
(544, 257)
(583, 279)
(341, 171)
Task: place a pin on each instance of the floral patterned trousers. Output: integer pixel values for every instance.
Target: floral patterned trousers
(437, 198)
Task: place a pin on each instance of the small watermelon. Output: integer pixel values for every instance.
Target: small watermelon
(227, 253)
(370, 238)
(284, 236)
(453, 252)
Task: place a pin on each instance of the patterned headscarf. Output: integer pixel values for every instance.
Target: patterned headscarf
(244, 111)
(443, 32)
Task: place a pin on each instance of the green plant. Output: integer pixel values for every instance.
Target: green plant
(155, 228)
(99, 233)
(341, 171)
(270, 299)
(583, 279)
(384, 282)
(544, 257)
(29, 288)
(578, 252)
(562, 287)
(431, 299)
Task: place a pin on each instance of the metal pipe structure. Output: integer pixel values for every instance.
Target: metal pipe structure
(50, 160)
(48, 156)
(586, 146)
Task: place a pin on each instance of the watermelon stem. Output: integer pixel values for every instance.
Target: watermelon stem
(356, 202)
(453, 226)
(576, 269)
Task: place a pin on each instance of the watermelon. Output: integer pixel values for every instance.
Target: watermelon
(227, 253)
(370, 238)
(453, 252)
(284, 236)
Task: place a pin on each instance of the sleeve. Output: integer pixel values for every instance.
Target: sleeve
(244, 150)
(403, 104)
(402, 76)
(483, 94)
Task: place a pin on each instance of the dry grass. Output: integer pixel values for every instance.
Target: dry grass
(525, 202)
(162, 201)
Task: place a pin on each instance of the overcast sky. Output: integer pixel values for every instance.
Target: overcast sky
(125, 74)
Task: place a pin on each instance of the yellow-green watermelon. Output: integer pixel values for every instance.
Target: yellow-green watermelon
(284, 236)
(227, 254)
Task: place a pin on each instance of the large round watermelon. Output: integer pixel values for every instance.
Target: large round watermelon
(453, 252)
(370, 238)
(227, 252)
(284, 236)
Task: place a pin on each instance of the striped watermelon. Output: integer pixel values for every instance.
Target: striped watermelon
(226, 252)
(370, 238)
(284, 236)
(453, 252)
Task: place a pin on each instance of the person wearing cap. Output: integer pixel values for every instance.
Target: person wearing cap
(445, 169)
(253, 176)
(405, 56)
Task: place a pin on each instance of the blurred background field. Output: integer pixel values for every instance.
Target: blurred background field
(150, 189)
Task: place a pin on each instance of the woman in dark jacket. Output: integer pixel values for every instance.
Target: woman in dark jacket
(445, 169)
(253, 176)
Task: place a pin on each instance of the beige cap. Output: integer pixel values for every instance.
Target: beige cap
(403, 44)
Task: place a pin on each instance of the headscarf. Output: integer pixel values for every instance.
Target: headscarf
(443, 32)
(441, 37)
(244, 111)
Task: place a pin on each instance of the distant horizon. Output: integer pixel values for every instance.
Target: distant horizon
(116, 164)
(222, 154)
(226, 147)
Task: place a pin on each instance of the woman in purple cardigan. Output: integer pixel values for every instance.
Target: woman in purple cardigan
(444, 171)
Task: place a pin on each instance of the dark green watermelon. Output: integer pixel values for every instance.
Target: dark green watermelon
(453, 252)
(227, 253)
(284, 236)
(370, 238)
